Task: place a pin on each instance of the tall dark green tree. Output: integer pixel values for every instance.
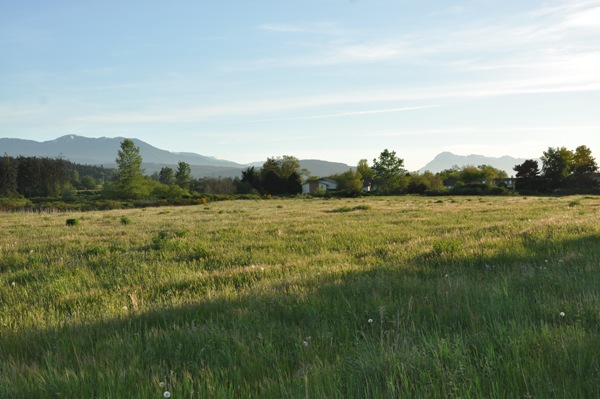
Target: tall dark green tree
(129, 181)
(251, 180)
(29, 176)
(557, 166)
(528, 176)
(183, 175)
(8, 176)
(41, 177)
(281, 175)
(528, 169)
(166, 176)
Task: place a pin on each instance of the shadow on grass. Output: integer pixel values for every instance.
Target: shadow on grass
(433, 325)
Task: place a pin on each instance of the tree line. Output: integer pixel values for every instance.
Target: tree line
(562, 169)
(47, 177)
(29, 177)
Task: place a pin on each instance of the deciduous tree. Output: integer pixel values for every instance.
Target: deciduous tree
(583, 161)
(281, 175)
(349, 182)
(388, 172)
(364, 169)
(557, 165)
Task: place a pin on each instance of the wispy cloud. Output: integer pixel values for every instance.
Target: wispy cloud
(533, 39)
(347, 114)
(321, 28)
(506, 87)
(478, 130)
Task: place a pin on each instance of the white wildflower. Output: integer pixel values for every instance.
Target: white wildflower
(370, 321)
(167, 394)
(562, 314)
(13, 284)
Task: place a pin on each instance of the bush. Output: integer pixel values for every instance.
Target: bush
(344, 209)
(72, 222)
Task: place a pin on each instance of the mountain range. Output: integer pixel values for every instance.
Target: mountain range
(103, 151)
(446, 160)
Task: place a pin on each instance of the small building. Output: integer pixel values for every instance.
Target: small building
(322, 185)
(509, 182)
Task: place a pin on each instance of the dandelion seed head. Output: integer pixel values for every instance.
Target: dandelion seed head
(167, 394)
(13, 284)
(370, 321)
(562, 314)
(161, 384)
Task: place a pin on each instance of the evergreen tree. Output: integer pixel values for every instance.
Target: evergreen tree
(183, 175)
(8, 176)
(528, 176)
(166, 176)
(130, 175)
(251, 179)
(527, 169)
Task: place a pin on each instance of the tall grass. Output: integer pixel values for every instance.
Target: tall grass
(378, 297)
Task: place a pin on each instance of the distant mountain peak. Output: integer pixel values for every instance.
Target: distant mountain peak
(446, 160)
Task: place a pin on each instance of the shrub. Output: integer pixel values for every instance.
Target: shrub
(72, 222)
(125, 220)
(349, 209)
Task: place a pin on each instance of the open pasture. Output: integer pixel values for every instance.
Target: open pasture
(380, 297)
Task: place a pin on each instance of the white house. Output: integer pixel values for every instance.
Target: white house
(319, 185)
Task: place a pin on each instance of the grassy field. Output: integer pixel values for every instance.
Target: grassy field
(363, 298)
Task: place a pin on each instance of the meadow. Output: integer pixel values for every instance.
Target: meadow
(378, 297)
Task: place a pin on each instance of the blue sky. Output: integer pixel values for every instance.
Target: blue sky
(339, 80)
